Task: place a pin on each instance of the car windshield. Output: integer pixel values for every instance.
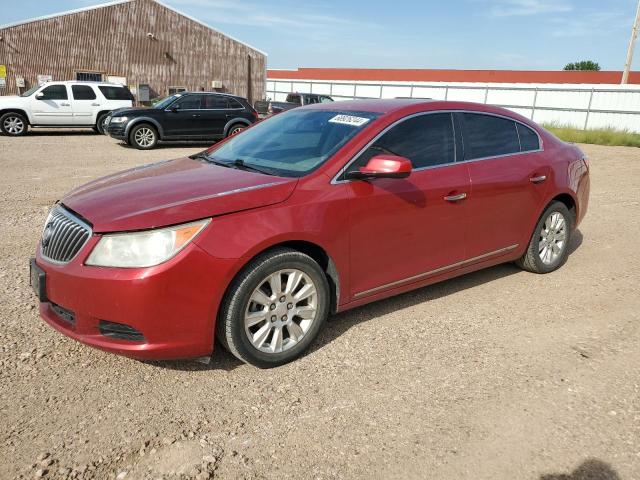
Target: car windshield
(293, 143)
(30, 91)
(166, 101)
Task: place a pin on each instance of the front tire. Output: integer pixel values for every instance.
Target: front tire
(13, 124)
(274, 308)
(143, 137)
(548, 248)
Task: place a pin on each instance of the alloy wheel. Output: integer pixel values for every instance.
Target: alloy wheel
(144, 137)
(281, 310)
(13, 125)
(553, 238)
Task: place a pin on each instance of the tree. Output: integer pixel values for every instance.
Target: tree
(583, 65)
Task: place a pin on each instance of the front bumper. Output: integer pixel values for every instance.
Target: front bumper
(173, 305)
(116, 130)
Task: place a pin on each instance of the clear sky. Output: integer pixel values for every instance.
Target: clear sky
(462, 34)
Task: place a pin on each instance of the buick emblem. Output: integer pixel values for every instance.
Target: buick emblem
(47, 234)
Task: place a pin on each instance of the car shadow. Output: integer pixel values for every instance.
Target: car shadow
(59, 133)
(339, 323)
(167, 145)
(590, 469)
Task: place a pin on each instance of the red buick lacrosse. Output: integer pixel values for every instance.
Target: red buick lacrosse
(257, 240)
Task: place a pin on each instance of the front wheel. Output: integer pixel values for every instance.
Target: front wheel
(274, 308)
(235, 129)
(143, 137)
(13, 124)
(549, 245)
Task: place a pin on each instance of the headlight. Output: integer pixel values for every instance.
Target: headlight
(144, 249)
(119, 119)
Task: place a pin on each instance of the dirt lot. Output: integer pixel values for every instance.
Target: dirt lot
(499, 374)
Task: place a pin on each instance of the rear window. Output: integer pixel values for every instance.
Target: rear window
(233, 103)
(294, 99)
(83, 92)
(115, 93)
(489, 136)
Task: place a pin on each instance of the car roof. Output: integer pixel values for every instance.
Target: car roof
(86, 82)
(222, 94)
(414, 105)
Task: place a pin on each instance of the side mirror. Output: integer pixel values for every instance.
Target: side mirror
(39, 95)
(383, 166)
(173, 109)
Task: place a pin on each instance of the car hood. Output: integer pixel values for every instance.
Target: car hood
(173, 192)
(132, 111)
(11, 99)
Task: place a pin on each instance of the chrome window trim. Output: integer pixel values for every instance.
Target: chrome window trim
(335, 180)
(430, 273)
(168, 109)
(62, 210)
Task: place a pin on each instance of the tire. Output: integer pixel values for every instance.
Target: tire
(99, 126)
(273, 333)
(143, 136)
(548, 248)
(14, 124)
(235, 129)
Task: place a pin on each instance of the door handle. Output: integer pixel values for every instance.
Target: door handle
(64, 104)
(538, 179)
(455, 198)
(195, 115)
(95, 104)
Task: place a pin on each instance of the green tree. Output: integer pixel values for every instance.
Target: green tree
(583, 65)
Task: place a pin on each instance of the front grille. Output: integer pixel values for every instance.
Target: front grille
(120, 331)
(63, 236)
(66, 315)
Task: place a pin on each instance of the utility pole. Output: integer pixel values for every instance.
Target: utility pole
(632, 44)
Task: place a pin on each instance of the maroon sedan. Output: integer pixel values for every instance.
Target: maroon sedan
(314, 211)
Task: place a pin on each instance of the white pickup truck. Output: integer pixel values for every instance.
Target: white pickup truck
(62, 105)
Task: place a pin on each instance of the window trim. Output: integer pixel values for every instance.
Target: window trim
(336, 178)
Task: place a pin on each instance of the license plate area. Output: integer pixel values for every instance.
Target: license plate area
(37, 280)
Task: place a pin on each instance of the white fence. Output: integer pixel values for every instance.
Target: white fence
(578, 106)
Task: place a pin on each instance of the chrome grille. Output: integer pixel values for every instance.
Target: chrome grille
(63, 236)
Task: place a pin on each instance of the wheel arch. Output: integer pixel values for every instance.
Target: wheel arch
(233, 122)
(137, 121)
(16, 110)
(313, 250)
(99, 114)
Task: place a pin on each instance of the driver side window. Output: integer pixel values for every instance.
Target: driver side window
(427, 140)
(54, 92)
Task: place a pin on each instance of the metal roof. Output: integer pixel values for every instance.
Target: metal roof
(118, 2)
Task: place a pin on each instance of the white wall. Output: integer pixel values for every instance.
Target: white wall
(579, 106)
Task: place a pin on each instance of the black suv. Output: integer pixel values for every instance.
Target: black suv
(183, 116)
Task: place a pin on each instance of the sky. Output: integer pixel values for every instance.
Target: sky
(458, 34)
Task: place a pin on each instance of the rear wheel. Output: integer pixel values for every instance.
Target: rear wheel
(235, 129)
(274, 308)
(143, 137)
(101, 123)
(14, 124)
(549, 245)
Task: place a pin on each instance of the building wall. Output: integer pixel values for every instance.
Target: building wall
(113, 40)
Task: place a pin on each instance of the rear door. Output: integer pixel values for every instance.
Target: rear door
(215, 113)
(183, 117)
(51, 106)
(508, 182)
(407, 230)
(84, 104)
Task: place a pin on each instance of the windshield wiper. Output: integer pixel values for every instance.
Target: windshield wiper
(241, 165)
(207, 158)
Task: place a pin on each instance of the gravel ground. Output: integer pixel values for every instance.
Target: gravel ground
(500, 374)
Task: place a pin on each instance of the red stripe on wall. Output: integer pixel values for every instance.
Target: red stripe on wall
(482, 76)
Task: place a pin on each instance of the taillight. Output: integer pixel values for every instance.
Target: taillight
(256, 115)
(270, 109)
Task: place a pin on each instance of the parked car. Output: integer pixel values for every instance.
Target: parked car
(62, 105)
(183, 116)
(317, 210)
(295, 100)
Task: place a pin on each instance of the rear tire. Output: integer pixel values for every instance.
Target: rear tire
(274, 308)
(14, 124)
(548, 248)
(99, 126)
(143, 137)
(235, 129)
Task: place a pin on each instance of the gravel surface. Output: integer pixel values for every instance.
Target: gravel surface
(500, 374)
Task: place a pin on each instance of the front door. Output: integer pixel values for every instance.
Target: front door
(404, 231)
(51, 106)
(183, 117)
(509, 180)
